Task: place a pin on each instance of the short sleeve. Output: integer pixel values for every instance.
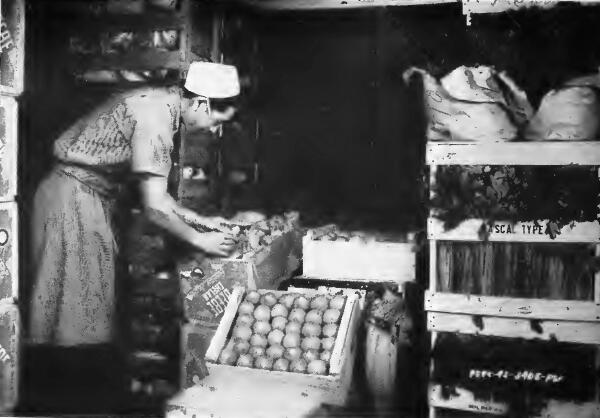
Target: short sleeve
(152, 138)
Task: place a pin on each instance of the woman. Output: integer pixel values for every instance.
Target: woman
(72, 313)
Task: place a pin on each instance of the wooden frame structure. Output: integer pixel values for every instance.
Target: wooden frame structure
(566, 321)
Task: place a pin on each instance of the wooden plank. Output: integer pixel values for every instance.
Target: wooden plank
(358, 261)
(582, 232)
(220, 337)
(134, 61)
(514, 153)
(345, 332)
(464, 400)
(562, 310)
(335, 4)
(9, 251)
(8, 148)
(110, 23)
(12, 75)
(565, 331)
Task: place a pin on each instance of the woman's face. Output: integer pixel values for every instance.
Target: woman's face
(198, 115)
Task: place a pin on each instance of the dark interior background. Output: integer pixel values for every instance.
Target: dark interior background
(339, 132)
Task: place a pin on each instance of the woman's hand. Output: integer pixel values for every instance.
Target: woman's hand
(217, 243)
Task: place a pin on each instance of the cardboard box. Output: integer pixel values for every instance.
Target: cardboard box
(8, 148)
(9, 355)
(9, 274)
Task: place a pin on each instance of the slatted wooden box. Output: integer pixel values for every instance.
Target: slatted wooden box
(9, 355)
(263, 392)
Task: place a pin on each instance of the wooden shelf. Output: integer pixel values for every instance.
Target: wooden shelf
(514, 153)
(506, 307)
(148, 21)
(582, 232)
(134, 61)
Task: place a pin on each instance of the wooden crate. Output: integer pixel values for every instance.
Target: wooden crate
(9, 355)
(8, 148)
(486, 375)
(12, 47)
(357, 260)
(261, 393)
(9, 260)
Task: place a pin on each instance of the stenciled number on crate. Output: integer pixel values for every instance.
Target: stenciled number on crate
(525, 375)
(217, 298)
(4, 357)
(3, 237)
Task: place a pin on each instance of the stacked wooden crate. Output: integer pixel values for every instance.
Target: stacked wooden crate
(12, 42)
(569, 314)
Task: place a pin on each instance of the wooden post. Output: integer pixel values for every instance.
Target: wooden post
(433, 273)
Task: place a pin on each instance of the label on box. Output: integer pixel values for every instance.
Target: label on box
(8, 251)
(207, 287)
(9, 334)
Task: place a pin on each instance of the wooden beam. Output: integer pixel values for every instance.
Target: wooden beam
(514, 153)
(133, 61)
(565, 331)
(562, 310)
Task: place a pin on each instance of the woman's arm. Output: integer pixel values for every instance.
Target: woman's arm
(162, 210)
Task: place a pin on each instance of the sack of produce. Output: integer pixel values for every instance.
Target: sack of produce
(569, 113)
(473, 104)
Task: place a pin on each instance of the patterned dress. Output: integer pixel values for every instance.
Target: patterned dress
(73, 238)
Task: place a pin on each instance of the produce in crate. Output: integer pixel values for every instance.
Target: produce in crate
(279, 323)
(298, 340)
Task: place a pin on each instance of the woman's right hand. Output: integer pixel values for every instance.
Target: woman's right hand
(217, 243)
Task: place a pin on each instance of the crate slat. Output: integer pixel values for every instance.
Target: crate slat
(562, 310)
(564, 331)
(345, 332)
(468, 230)
(514, 153)
(464, 400)
(334, 4)
(220, 337)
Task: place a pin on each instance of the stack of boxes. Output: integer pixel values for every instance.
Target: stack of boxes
(11, 86)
